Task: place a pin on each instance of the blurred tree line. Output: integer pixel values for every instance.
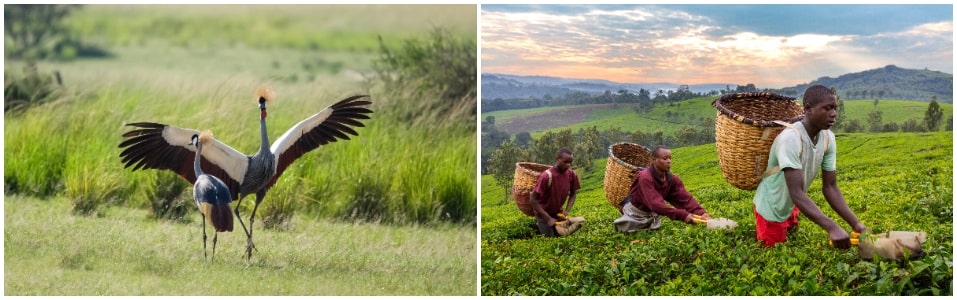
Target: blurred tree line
(36, 32)
(644, 98)
(874, 122)
(500, 152)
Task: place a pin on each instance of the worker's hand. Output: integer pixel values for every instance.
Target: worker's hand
(839, 238)
(705, 216)
(689, 219)
(562, 216)
(551, 221)
(860, 228)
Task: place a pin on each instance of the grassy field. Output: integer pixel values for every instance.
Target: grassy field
(692, 111)
(395, 189)
(347, 28)
(892, 181)
(49, 251)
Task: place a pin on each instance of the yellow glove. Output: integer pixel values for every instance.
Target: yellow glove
(855, 239)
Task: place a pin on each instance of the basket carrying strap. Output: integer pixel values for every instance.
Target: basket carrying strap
(549, 172)
(776, 169)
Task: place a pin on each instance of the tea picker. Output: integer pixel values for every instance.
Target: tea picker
(771, 144)
(550, 192)
(526, 175)
(653, 193)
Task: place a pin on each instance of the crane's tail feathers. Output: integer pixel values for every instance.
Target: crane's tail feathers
(221, 215)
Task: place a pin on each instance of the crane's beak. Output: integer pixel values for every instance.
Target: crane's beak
(262, 107)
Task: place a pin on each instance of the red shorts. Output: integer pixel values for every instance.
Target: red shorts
(774, 232)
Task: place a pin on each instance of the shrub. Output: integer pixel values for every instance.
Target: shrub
(874, 119)
(173, 197)
(88, 184)
(437, 75)
(911, 125)
(32, 166)
(890, 127)
(30, 89)
(853, 125)
(277, 209)
(369, 202)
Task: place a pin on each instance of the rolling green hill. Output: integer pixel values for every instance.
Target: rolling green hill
(691, 112)
(890, 81)
(886, 190)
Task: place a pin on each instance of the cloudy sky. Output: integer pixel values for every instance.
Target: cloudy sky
(771, 46)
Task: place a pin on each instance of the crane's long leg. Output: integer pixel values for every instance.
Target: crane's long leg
(202, 216)
(236, 211)
(215, 237)
(249, 239)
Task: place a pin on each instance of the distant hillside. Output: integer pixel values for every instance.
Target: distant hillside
(500, 87)
(895, 82)
(503, 86)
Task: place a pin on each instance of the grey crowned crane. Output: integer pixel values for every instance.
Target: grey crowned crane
(211, 195)
(161, 146)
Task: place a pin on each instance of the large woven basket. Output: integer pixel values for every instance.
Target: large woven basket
(744, 131)
(624, 159)
(526, 175)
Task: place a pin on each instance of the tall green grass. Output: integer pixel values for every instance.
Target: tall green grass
(63, 147)
(398, 170)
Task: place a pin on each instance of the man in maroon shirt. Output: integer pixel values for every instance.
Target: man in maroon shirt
(650, 191)
(552, 188)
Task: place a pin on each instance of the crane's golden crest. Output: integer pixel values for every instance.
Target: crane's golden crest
(205, 137)
(266, 93)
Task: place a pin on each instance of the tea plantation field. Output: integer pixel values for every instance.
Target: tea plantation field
(892, 181)
(692, 111)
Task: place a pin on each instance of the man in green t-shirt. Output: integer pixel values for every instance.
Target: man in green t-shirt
(795, 158)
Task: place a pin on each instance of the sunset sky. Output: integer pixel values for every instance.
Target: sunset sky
(771, 46)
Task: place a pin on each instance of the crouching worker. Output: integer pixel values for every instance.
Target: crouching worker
(650, 191)
(553, 187)
(796, 155)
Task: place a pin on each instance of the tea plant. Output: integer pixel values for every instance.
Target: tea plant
(892, 181)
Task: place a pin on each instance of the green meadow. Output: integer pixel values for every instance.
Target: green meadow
(892, 181)
(390, 212)
(49, 251)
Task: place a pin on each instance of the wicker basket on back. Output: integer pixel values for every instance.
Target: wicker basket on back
(624, 159)
(526, 174)
(744, 131)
